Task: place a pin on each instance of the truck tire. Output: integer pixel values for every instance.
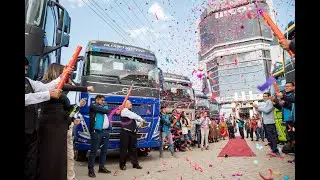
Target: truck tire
(79, 155)
(142, 153)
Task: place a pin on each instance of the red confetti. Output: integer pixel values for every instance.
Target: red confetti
(210, 165)
(249, 14)
(115, 172)
(213, 96)
(270, 175)
(156, 16)
(163, 162)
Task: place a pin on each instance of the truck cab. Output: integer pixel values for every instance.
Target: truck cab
(47, 29)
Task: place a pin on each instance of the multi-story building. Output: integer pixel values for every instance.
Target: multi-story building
(237, 49)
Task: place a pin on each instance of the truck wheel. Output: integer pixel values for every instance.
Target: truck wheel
(142, 153)
(79, 155)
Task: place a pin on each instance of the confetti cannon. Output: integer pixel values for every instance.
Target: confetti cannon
(273, 27)
(72, 62)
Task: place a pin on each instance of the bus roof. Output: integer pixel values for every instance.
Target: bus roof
(278, 73)
(202, 96)
(113, 44)
(118, 48)
(176, 76)
(289, 31)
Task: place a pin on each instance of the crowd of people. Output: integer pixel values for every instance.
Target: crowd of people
(49, 121)
(177, 134)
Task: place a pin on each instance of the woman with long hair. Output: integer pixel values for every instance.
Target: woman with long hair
(53, 128)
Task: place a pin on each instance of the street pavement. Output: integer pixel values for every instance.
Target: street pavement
(213, 167)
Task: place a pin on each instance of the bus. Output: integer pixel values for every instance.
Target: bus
(47, 29)
(177, 93)
(289, 66)
(112, 68)
(283, 72)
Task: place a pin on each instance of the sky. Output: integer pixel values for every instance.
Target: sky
(166, 27)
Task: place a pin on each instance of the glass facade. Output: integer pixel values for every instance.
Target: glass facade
(232, 25)
(236, 75)
(239, 73)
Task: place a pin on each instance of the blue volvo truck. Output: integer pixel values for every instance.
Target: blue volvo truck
(112, 68)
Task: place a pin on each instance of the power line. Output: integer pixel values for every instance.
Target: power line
(134, 25)
(106, 22)
(119, 28)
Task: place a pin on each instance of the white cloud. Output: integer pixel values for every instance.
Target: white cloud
(155, 8)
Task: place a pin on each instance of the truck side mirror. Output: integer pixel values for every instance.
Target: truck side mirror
(63, 28)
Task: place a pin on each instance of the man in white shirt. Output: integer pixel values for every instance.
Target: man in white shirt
(41, 92)
(130, 122)
(35, 93)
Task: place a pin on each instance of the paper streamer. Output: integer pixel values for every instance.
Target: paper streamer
(267, 84)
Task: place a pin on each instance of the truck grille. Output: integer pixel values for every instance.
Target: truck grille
(116, 136)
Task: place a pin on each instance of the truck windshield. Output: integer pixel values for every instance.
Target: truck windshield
(176, 92)
(214, 107)
(34, 12)
(201, 102)
(132, 69)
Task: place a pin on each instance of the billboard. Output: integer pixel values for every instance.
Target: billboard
(232, 25)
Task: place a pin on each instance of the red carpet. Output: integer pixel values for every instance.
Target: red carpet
(236, 147)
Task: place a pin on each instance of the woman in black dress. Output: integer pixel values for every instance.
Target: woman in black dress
(53, 130)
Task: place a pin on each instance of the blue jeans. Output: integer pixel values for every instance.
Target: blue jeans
(198, 134)
(260, 133)
(166, 136)
(97, 138)
(189, 135)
